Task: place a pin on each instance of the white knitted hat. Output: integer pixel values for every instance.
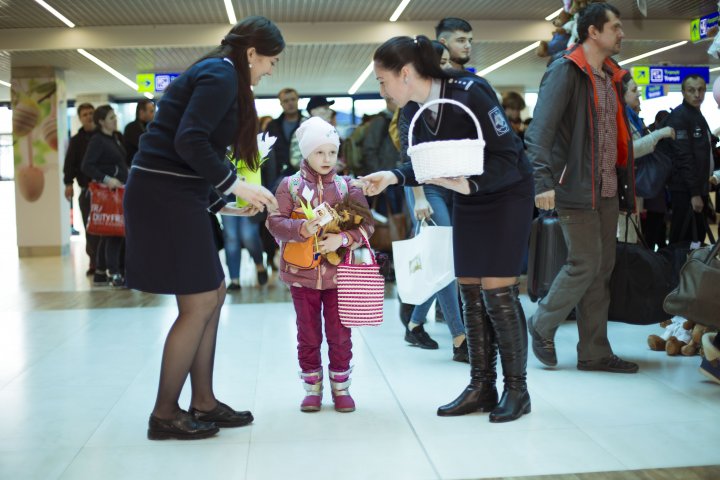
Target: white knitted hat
(315, 132)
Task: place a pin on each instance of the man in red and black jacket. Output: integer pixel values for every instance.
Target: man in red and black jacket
(581, 149)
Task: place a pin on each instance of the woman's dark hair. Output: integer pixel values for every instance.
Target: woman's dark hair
(594, 15)
(101, 113)
(626, 82)
(265, 36)
(397, 52)
(440, 48)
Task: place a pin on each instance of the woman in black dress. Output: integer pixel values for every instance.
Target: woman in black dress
(492, 213)
(178, 175)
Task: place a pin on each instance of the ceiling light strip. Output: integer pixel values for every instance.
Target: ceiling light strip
(508, 59)
(108, 69)
(653, 52)
(230, 12)
(57, 14)
(399, 10)
(361, 79)
(711, 70)
(5, 84)
(554, 14)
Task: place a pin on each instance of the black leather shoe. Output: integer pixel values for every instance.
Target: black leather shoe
(183, 427)
(513, 405)
(483, 398)
(460, 354)
(543, 348)
(418, 337)
(262, 277)
(612, 364)
(223, 416)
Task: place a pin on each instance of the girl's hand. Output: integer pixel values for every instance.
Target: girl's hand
(376, 183)
(329, 243)
(256, 195)
(422, 209)
(246, 211)
(457, 184)
(310, 227)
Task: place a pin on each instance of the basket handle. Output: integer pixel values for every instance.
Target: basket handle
(366, 242)
(435, 102)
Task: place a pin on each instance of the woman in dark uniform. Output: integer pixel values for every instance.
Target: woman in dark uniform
(178, 175)
(492, 213)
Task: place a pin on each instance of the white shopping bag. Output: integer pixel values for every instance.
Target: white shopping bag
(423, 264)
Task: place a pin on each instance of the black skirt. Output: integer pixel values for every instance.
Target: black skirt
(491, 231)
(170, 247)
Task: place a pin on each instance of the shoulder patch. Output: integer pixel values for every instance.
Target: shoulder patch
(681, 135)
(498, 120)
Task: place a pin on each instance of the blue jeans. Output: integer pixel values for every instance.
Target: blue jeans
(440, 200)
(239, 233)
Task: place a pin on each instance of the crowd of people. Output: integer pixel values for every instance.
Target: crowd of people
(576, 156)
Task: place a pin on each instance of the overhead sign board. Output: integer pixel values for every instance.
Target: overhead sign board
(653, 91)
(154, 82)
(700, 26)
(667, 75)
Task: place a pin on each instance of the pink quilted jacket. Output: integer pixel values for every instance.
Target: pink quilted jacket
(285, 229)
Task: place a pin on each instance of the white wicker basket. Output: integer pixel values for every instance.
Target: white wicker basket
(446, 158)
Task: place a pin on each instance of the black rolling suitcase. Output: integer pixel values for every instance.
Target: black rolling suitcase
(547, 254)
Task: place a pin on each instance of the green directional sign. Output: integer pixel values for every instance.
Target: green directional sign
(695, 30)
(146, 82)
(641, 75)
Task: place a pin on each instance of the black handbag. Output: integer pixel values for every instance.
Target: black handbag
(678, 252)
(640, 282)
(651, 174)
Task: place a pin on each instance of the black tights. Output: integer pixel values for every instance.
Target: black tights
(190, 349)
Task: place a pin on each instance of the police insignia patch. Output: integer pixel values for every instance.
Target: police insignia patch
(498, 120)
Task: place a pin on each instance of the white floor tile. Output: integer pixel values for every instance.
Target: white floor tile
(36, 463)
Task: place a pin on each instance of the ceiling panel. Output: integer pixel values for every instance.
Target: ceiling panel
(28, 14)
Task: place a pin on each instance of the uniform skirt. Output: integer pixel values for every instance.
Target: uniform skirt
(491, 231)
(170, 245)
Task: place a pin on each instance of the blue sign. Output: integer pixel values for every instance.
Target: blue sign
(162, 80)
(700, 26)
(654, 91)
(667, 75)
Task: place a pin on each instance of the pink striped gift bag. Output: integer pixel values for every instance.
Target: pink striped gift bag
(361, 291)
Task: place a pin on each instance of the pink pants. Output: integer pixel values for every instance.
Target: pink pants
(308, 304)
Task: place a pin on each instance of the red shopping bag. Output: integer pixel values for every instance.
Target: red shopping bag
(106, 211)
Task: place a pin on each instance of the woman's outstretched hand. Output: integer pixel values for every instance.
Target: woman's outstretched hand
(256, 195)
(376, 183)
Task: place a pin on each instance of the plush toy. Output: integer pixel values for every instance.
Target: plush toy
(694, 346)
(346, 215)
(560, 37)
(677, 334)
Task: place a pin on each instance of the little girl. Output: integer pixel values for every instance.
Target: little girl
(315, 289)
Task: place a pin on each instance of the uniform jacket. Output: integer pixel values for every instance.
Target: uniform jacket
(285, 229)
(691, 151)
(562, 140)
(505, 162)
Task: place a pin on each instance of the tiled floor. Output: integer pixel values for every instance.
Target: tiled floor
(77, 385)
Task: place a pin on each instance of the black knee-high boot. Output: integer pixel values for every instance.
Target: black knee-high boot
(508, 320)
(481, 394)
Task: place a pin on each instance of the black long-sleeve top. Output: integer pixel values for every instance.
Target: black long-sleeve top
(505, 162)
(105, 156)
(72, 168)
(195, 123)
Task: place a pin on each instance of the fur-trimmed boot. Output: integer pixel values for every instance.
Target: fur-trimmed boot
(481, 394)
(312, 382)
(339, 383)
(508, 320)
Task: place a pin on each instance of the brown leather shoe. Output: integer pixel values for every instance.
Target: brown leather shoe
(223, 416)
(183, 427)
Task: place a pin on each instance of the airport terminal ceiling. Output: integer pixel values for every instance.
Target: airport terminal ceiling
(330, 42)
